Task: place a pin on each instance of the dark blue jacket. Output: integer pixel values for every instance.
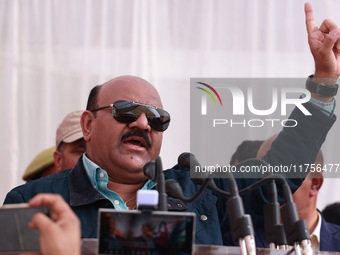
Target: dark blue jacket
(329, 236)
(296, 145)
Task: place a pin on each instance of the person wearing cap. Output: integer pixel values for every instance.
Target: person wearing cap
(42, 165)
(70, 145)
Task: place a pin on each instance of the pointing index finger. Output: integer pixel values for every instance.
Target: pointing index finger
(310, 21)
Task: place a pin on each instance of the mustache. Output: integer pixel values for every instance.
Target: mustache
(138, 133)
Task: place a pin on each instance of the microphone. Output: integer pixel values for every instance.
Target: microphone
(274, 230)
(149, 170)
(154, 171)
(187, 160)
(297, 232)
(174, 189)
(163, 197)
(241, 224)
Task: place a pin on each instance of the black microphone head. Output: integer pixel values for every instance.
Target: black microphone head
(184, 159)
(173, 188)
(149, 170)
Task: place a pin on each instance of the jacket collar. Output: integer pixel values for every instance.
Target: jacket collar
(81, 191)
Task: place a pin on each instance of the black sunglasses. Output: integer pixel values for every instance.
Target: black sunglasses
(128, 112)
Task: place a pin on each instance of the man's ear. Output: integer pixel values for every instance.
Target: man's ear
(316, 184)
(86, 124)
(58, 160)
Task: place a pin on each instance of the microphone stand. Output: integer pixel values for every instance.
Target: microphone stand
(240, 223)
(163, 197)
(274, 230)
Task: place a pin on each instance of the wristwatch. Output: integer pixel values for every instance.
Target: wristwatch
(320, 88)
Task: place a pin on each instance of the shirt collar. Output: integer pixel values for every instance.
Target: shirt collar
(91, 169)
(315, 236)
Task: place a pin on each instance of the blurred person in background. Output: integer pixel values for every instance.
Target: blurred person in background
(246, 150)
(70, 145)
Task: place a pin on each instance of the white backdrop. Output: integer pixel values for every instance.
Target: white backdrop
(53, 52)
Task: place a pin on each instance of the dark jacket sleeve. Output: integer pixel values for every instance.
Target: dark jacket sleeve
(14, 197)
(56, 183)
